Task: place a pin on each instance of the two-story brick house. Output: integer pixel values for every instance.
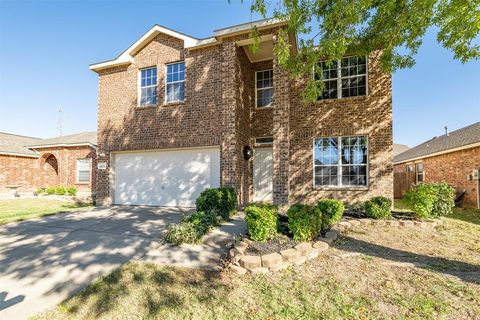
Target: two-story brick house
(178, 114)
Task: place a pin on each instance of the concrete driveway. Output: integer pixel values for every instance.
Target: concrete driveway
(44, 261)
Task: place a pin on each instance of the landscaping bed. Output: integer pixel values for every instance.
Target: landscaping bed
(279, 243)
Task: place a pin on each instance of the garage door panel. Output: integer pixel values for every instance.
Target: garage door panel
(166, 178)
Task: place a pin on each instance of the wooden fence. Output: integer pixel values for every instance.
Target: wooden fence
(402, 181)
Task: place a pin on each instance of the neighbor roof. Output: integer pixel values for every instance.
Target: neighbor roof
(82, 138)
(126, 57)
(15, 144)
(399, 148)
(461, 138)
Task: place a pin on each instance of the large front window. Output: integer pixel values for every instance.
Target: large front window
(344, 78)
(148, 86)
(83, 170)
(341, 161)
(175, 82)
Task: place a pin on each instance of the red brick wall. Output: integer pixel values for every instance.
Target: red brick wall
(54, 167)
(219, 110)
(452, 168)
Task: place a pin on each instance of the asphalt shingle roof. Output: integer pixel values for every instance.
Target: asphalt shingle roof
(22, 145)
(455, 139)
(399, 148)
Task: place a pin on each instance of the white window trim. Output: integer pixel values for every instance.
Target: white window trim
(139, 90)
(416, 171)
(165, 100)
(263, 143)
(77, 171)
(256, 90)
(339, 79)
(340, 185)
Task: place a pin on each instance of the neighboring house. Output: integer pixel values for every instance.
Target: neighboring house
(448, 158)
(177, 114)
(28, 163)
(399, 148)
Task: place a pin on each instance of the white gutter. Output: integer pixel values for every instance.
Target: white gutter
(63, 145)
(19, 154)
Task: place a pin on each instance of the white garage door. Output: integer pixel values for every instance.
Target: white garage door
(165, 178)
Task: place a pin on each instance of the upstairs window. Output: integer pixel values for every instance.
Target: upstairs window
(341, 161)
(344, 78)
(264, 88)
(83, 170)
(175, 89)
(148, 86)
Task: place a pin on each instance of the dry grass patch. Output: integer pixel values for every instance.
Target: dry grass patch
(371, 273)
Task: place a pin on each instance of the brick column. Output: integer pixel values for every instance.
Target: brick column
(281, 141)
(229, 156)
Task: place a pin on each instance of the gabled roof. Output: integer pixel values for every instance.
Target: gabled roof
(14, 144)
(82, 138)
(126, 57)
(459, 139)
(399, 148)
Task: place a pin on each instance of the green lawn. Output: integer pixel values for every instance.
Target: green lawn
(23, 209)
(371, 272)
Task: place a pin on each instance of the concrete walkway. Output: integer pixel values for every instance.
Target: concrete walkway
(44, 261)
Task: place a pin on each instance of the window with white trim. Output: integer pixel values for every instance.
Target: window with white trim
(419, 172)
(148, 86)
(344, 78)
(175, 80)
(264, 88)
(341, 161)
(83, 170)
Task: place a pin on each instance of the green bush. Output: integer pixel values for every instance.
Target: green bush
(332, 211)
(430, 200)
(378, 208)
(357, 207)
(262, 221)
(421, 199)
(60, 190)
(220, 201)
(445, 201)
(71, 191)
(40, 191)
(51, 190)
(192, 228)
(304, 221)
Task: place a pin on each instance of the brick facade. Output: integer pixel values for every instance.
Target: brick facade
(219, 110)
(452, 168)
(53, 167)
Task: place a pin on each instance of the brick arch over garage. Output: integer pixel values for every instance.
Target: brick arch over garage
(49, 168)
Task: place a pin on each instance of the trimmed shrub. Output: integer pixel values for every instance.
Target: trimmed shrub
(445, 200)
(220, 201)
(304, 221)
(378, 208)
(192, 228)
(357, 207)
(60, 190)
(40, 191)
(71, 191)
(430, 200)
(50, 190)
(332, 211)
(262, 221)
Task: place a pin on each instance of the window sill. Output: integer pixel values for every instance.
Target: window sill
(82, 183)
(341, 188)
(150, 106)
(343, 99)
(264, 108)
(173, 103)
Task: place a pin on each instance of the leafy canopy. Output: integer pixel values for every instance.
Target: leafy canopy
(335, 28)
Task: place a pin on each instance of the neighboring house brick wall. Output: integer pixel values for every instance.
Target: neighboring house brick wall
(452, 168)
(16, 171)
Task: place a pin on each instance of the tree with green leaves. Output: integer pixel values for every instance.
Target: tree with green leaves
(331, 29)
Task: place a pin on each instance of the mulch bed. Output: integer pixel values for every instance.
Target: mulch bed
(281, 242)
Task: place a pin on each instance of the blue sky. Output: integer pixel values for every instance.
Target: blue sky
(46, 47)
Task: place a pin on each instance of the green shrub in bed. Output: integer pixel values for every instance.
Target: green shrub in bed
(332, 212)
(221, 201)
(304, 221)
(378, 208)
(262, 221)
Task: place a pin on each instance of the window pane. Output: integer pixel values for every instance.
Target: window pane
(330, 90)
(354, 150)
(352, 87)
(354, 175)
(84, 176)
(264, 97)
(326, 151)
(149, 96)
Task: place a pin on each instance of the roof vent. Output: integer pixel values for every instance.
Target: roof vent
(446, 131)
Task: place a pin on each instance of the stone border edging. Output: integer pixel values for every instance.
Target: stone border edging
(305, 251)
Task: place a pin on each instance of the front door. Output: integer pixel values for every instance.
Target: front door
(263, 175)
